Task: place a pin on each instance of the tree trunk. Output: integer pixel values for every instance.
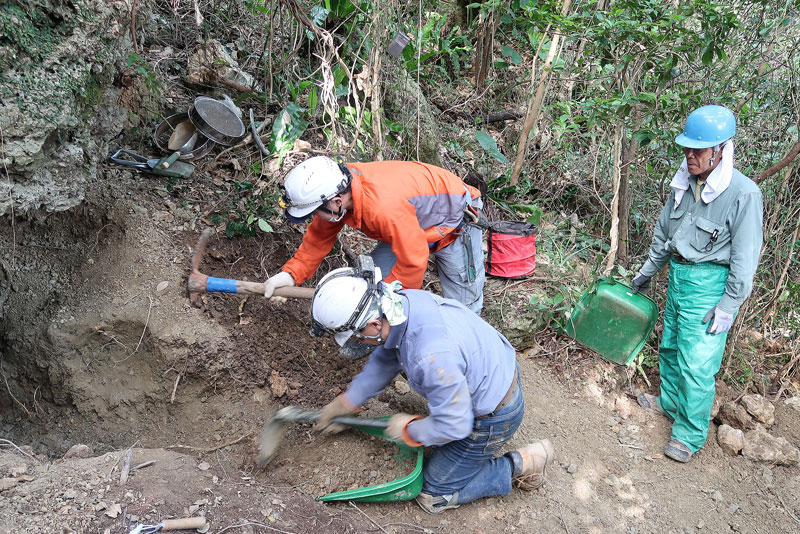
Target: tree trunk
(624, 198)
(795, 150)
(615, 182)
(533, 110)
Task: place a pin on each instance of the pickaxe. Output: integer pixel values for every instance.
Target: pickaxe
(202, 283)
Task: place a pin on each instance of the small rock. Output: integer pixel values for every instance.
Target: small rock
(793, 403)
(79, 450)
(730, 439)
(760, 408)
(499, 516)
(402, 387)
(701, 524)
(717, 496)
(277, 384)
(732, 414)
(204, 466)
(623, 407)
(7, 483)
(572, 469)
(113, 511)
(732, 509)
(766, 472)
(70, 494)
(763, 447)
(18, 470)
(373, 474)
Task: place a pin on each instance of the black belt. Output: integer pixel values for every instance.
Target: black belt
(506, 399)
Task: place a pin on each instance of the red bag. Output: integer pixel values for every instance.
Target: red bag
(512, 249)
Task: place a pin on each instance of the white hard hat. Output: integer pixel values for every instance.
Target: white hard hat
(343, 303)
(310, 184)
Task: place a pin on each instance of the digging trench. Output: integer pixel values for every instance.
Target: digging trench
(93, 352)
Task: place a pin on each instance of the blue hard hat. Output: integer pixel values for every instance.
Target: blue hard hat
(707, 126)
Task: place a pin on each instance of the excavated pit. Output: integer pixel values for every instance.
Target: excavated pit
(93, 352)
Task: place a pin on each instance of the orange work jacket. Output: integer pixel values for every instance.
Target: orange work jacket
(412, 206)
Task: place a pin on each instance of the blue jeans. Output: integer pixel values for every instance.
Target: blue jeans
(467, 469)
(452, 268)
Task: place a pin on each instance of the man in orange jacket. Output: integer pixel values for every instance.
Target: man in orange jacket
(413, 209)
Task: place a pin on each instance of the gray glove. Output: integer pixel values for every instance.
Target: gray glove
(641, 284)
(722, 320)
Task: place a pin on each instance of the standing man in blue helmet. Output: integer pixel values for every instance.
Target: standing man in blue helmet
(710, 234)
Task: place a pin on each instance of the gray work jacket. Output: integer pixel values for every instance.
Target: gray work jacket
(727, 231)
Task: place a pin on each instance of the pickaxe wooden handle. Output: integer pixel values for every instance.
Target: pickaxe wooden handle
(202, 283)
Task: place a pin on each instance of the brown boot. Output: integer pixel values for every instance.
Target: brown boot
(535, 459)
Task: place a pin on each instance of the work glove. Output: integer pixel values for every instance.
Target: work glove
(338, 406)
(641, 283)
(282, 279)
(722, 320)
(398, 428)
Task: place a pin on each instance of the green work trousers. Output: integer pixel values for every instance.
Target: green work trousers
(689, 357)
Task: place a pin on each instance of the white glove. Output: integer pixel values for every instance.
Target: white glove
(282, 279)
(722, 320)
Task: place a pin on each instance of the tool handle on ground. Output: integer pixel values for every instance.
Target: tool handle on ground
(201, 283)
(138, 161)
(166, 163)
(183, 523)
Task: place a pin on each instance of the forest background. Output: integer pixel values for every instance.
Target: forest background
(595, 92)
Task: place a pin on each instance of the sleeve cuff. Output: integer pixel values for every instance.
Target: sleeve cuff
(407, 439)
(728, 305)
(349, 404)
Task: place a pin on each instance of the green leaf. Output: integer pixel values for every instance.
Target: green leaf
(264, 226)
(511, 54)
(485, 140)
(313, 99)
(289, 125)
(319, 14)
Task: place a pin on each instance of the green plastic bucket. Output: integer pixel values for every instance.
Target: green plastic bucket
(612, 320)
(402, 489)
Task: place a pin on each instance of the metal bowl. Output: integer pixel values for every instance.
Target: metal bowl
(165, 129)
(214, 119)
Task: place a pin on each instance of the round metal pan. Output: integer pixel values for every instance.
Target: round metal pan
(165, 129)
(214, 119)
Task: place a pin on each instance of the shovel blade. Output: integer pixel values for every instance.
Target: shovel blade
(271, 437)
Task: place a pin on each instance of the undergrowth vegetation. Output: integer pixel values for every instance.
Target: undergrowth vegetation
(605, 86)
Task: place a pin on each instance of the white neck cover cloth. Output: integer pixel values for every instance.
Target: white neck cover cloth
(717, 182)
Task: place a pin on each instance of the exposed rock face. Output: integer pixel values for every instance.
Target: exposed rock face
(210, 61)
(55, 66)
(760, 408)
(760, 446)
(730, 439)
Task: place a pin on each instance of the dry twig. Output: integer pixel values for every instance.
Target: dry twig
(211, 449)
(25, 408)
(10, 443)
(362, 512)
